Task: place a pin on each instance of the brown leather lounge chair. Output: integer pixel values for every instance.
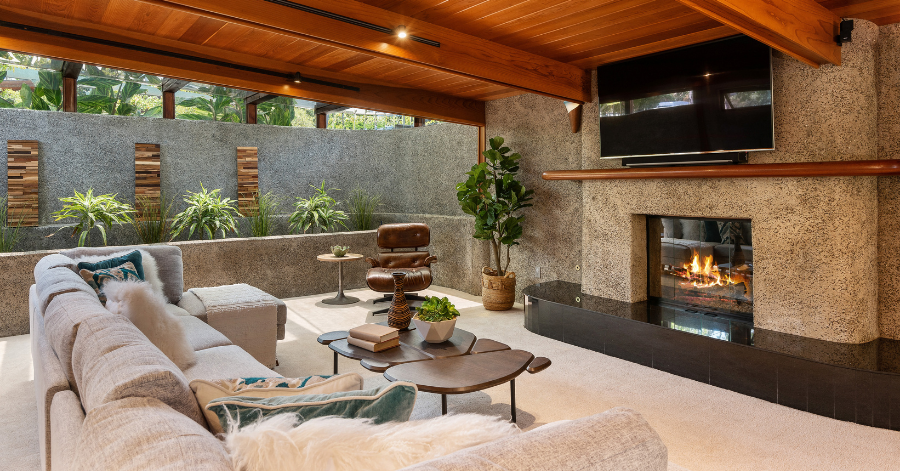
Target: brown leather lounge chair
(415, 263)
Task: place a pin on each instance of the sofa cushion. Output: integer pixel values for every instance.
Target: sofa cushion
(206, 391)
(66, 418)
(113, 360)
(142, 433)
(389, 403)
(229, 361)
(168, 262)
(56, 281)
(54, 260)
(62, 320)
(200, 335)
(616, 440)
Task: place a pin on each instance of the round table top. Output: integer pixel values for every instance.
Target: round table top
(327, 257)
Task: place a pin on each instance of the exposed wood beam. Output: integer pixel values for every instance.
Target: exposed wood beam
(404, 101)
(172, 85)
(802, 29)
(322, 121)
(251, 113)
(168, 105)
(482, 143)
(70, 72)
(326, 108)
(418, 122)
(459, 53)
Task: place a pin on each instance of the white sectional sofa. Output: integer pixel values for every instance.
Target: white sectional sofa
(108, 399)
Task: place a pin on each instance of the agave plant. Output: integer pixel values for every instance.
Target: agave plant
(207, 213)
(9, 234)
(261, 217)
(92, 211)
(152, 219)
(316, 212)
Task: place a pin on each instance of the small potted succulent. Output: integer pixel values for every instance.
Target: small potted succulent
(340, 250)
(436, 319)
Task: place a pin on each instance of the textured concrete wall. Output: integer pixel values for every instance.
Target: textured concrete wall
(414, 169)
(888, 73)
(538, 128)
(815, 235)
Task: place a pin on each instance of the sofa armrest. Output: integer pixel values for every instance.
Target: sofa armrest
(66, 418)
(616, 440)
(373, 262)
(430, 259)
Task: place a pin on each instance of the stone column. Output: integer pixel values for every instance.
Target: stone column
(888, 85)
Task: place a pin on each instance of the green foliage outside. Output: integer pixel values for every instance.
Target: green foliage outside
(220, 106)
(317, 212)
(207, 213)
(152, 221)
(102, 92)
(436, 309)
(46, 95)
(277, 112)
(92, 211)
(9, 235)
(361, 208)
(494, 196)
(263, 217)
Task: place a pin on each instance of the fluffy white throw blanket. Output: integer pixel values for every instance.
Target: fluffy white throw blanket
(146, 309)
(337, 444)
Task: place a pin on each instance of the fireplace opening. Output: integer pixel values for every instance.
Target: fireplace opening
(701, 265)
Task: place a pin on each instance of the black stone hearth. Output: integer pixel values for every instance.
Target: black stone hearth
(852, 382)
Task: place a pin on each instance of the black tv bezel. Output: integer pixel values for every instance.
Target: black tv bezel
(719, 151)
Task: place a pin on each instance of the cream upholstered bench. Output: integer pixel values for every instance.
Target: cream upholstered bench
(251, 318)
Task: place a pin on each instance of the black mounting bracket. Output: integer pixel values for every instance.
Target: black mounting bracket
(846, 34)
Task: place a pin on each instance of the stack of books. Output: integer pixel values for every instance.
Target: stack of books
(374, 337)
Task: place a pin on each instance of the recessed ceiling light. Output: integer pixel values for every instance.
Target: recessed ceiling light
(401, 32)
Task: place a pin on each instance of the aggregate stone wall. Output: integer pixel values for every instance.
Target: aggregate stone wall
(888, 71)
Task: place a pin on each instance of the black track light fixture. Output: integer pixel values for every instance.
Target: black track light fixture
(297, 78)
(401, 31)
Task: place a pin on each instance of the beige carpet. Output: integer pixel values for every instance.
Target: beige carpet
(705, 428)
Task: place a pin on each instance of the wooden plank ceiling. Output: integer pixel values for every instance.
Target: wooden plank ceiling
(563, 33)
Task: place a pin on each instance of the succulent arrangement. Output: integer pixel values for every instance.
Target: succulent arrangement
(436, 309)
(340, 250)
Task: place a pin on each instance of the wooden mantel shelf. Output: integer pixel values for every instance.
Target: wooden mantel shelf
(798, 169)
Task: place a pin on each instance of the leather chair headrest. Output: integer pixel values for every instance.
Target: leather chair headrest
(405, 235)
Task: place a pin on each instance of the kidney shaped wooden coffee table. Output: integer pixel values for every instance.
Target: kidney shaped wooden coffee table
(461, 365)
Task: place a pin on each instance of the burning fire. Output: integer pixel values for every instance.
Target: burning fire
(706, 275)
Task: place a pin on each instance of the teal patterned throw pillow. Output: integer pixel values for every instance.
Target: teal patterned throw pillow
(133, 257)
(96, 279)
(390, 403)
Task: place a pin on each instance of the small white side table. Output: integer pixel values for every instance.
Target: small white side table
(340, 298)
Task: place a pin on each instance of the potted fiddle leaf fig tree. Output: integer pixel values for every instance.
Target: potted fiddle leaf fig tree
(494, 196)
(436, 319)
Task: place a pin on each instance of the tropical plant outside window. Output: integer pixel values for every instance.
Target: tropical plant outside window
(34, 82)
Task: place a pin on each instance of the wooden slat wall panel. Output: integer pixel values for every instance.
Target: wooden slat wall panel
(147, 181)
(22, 182)
(248, 178)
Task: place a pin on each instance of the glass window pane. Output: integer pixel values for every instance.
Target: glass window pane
(30, 82)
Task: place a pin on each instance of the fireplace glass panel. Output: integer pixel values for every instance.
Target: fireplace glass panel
(702, 263)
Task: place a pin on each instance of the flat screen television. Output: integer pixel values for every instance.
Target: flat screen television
(712, 97)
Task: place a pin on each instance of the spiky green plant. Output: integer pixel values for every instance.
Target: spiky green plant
(362, 206)
(152, 219)
(92, 211)
(263, 215)
(436, 309)
(207, 213)
(9, 234)
(317, 212)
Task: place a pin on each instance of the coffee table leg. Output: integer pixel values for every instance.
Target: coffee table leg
(512, 396)
(443, 404)
(335, 362)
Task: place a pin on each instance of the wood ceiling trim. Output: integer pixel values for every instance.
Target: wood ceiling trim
(714, 32)
(880, 12)
(802, 29)
(405, 101)
(459, 54)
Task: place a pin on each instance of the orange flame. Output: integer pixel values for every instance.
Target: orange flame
(707, 275)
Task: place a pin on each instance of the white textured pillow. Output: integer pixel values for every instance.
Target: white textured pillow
(146, 309)
(338, 444)
(148, 264)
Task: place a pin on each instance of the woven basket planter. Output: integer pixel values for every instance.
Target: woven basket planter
(498, 293)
